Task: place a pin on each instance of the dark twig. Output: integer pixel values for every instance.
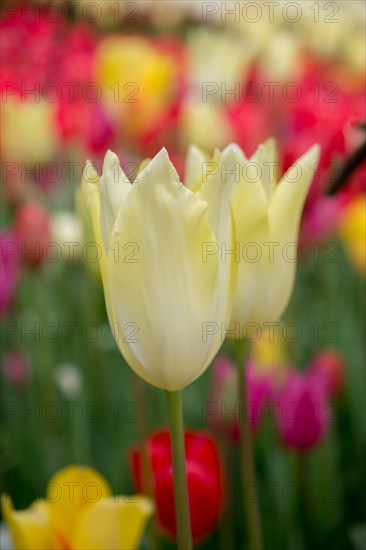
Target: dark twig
(358, 156)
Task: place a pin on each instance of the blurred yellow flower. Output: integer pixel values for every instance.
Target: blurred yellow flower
(218, 60)
(204, 124)
(28, 130)
(87, 227)
(352, 229)
(137, 80)
(78, 513)
(269, 352)
(159, 288)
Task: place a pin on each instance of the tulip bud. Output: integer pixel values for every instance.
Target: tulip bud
(32, 226)
(303, 414)
(204, 480)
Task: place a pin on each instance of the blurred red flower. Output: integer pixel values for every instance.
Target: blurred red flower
(331, 363)
(32, 226)
(204, 478)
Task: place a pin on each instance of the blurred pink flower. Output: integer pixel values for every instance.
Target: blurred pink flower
(224, 409)
(303, 413)
(15, 367)
(10, 269)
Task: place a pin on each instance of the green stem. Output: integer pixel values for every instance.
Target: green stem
(142, 428)
(303, 473)
(227, 524)
(175, 411)
(247, 460)
(146, 473)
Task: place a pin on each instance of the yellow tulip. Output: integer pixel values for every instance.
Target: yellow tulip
(78, 513)
(159, 288)
(138, 81)
(270, 352)
(35, 122)
(352, 229)
(266, 222)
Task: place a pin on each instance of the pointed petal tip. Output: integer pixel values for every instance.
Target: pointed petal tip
(110, 158)
(193, 149)
(312, 154)
(161, 158)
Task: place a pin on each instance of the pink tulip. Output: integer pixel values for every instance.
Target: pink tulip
(302, 414)
(224, 408)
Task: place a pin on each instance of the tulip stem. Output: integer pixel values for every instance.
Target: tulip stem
(146, 482)
(175, 411)
(253, 518)
(146, 478)
(304, 480)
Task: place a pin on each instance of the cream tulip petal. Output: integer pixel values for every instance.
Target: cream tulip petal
(90, 187)
(236, 149)
(196, 160)
(216, 191)
(285, 215)
(114, 187)
(264, 170)
(271, 148)
(113, 523)
(90, 191)
(170, 292)
(289, 197)
(30, 529)
(89, 181)
(250, 211)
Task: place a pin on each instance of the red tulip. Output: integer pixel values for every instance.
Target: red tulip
(32, 225)
(204, 478)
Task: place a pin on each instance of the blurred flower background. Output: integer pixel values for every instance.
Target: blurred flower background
(78, 78)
